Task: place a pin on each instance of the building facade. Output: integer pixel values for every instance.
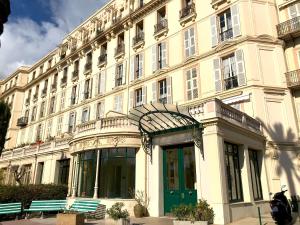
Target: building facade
(180, 99)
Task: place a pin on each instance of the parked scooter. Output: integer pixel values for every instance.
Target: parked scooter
(281, 209)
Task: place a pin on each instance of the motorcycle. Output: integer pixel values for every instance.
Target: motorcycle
(280, 209)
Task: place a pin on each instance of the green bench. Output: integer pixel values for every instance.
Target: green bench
(11, 208)
(85, 206)
(46, 206)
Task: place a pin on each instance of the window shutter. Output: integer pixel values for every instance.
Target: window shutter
(116, 103)
(91, 88)
(141, 64)
(131, 99)
(189, 84)
(164, 54)
(236, 28)
(192, 41)
(121, 103)
(293, 11)
(114, 77)
(187, 43)
(154, 92)
(102, 109)
(132, 68)
(102, 82)
(240, 67)
(144, 94)
(169, 90)
(214, 32)
(154, 58)
(97, 82)
(124, 73)
(217, 74)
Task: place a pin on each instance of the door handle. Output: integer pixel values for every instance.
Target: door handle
(190, 192)
(182, 195)
(171, 192)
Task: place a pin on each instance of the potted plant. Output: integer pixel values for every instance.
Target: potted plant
(141, 208)
(70, 218)
(118, 215)
(199, 214)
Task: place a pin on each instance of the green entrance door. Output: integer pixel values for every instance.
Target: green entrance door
(179, 176)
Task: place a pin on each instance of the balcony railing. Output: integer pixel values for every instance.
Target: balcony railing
(35, 97)
(187, 11)
(22, 121)
(44, 91)
(114, 122)
(139, 38)
(53, 86)
(63, 81)
(102, 59)
(27, 101)
(290, 27)
(293, 78)
(227, 34)
(120, 49)
(74, 74)
(160, 26)
(88, 67)
(231, 82)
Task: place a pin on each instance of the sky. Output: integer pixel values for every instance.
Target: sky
(35, 27)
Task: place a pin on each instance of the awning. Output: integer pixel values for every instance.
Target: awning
(158, 118)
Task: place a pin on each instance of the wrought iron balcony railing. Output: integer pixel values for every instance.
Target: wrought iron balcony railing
(102, 59)
(75, 74)
(187, 11)
(293, 78)
(22, 121)
(289, 27)
(227, 34)
(138, 38)
(120, 49)
(160, 26)
(63, 81)
(88, 67)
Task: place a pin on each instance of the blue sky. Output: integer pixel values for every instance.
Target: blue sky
(36, 27)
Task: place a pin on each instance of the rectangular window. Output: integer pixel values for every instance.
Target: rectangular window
(63, 174)
(192, 84)
(162, 87)
(86, 93)
(225, 25)
(85, 115)
(52, 105)
(138, 97)
(294, 11)
(119, 75)
(118, 104)
(42, 110)
(101, 83)
(41, 69)
(255, 174)
(40, 173)
(100, 110)
(229, 72)
(162, 55)
(33, 114)
(189, 42)
(45, 87)
(62, 100)
(39, 132)
(72, 122)
(49, 129)
(138, 66)
(73, 94)
(59, 125)
(232, 163)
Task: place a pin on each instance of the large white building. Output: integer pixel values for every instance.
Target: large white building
(180, 99)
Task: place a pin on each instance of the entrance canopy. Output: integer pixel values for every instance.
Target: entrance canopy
(158, 118)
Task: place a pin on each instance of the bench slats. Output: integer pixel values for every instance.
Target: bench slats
(47, 205)
(10, 208)
(85, 205)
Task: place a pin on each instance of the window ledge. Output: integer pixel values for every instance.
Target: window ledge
(163, 32)
(216, 3)
(138, 45)
(191, 17)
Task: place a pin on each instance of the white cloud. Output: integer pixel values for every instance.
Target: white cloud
(24, 41)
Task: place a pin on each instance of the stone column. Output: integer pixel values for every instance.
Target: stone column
(71, 176)
(97, 175)
(75, 176)
(246, 175)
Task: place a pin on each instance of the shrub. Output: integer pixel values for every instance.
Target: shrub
(183, 212)
(116, 212)
(27, 193)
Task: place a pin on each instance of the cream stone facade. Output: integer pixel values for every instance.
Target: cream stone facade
(180, 99)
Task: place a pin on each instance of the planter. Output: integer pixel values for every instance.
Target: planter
(139, 211)
(69, 219)
(180, 222)
(123, 222)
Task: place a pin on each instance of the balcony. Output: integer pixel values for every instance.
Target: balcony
(63, 81)
(88, 67)
(53, 86)
(44, 91)
(75, 75)
(138, 40)
(86, 95)
(289, 30)
(27, 101)
(102, 60)
(22, 121)
(226, 35)
(120, 51)
(293, 79)
(187, 14)
(161, 28)
(35, 97)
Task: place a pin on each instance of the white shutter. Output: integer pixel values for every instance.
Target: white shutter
(187, 43)
(102, 109)
(189, 84)
(121, 103)
(217, 74)
(114, 77)
(192, 41)
(154, 58)
(164, 54)
(102, 82)
(236, 28)
(116, 103)
(141, 64)
(97, 83)
(124, 73)
(131, 99)
(144, 94)
(169, 90)
(240, 67)
(214, 31)
(79, 94)
(91, 88)
(132, 68)
(154, 92)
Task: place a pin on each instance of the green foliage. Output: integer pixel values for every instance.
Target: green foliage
(116, 212)
(4, 122)
(27, 193)
(199, 212)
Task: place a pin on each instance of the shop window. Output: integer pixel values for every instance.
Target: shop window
(63, 173)
(254, 158)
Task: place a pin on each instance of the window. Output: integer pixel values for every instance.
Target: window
(27, 113)
(73, 94)
(162, 87)
(89, 60)
(45, 87)
(229, 71)
(36, 95)
(294, 10)
(225, 26)
(54, 84)
(103, 54)
(33, 114)
(119, 75)
(62, 100)
(137, 66)
(65, 73)
(72, 122)
(159, 56)
(41, 69)
(138, 97)
(76, 69)
(118, 103)
(52, 105)
(59, 125)
(26, 174)
(255, 174)
(189, 42)
(87, 91)
(39, 132)
(85, 115)
(139, 34)
(120, 45)
(49, 129)
(100, 110)
(141, 3)
(63, 172)
(49, 63)
(101, 82)
(233, 170)
(42, 110)
(192, 84)
(40, 173)
(33, 75)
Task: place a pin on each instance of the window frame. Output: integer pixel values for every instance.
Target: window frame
(254, 155)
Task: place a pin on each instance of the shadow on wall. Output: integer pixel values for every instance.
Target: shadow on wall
(288, 160)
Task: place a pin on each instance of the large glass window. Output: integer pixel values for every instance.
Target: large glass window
(87, 171)
(233, 170)
(63, 173)
(255, 174)
(117, 172)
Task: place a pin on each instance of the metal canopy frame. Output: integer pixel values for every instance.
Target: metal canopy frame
(159, 118)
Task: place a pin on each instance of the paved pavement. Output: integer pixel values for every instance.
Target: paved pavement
(266, 220)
